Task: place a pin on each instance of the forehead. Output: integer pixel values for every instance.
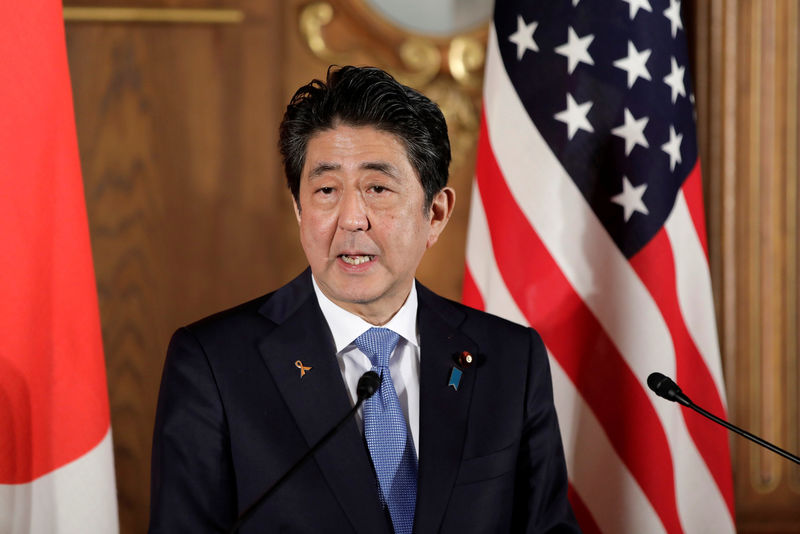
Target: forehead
(346, 145)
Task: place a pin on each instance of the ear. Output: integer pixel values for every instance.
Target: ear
(439, 214)
(296, 206)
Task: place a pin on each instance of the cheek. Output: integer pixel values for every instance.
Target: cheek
(410, 234)
(315, 230)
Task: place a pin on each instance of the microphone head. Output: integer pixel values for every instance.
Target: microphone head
(663, 386)
(659, 383)
(368, 384)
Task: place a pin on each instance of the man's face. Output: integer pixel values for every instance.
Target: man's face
(362, 223)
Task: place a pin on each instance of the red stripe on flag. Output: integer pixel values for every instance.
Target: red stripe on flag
(582, 513)
(591, 360)
(655, 266)
(471, 295)
(693, 192)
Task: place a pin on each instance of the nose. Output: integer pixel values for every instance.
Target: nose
(353, 212)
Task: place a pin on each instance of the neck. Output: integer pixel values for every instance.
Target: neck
(373, 317)
(377, 312)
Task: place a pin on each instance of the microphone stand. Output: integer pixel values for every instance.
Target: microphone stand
(744, 433)
(367, 385)
(663, 386)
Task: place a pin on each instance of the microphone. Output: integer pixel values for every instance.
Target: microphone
(663, 386)
(368, 384)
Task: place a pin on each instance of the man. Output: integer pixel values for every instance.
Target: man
(462, 435)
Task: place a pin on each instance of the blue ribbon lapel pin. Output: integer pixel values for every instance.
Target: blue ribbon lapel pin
(463, 361)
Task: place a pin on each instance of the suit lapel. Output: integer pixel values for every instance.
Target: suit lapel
(318, 399)
(443, 410)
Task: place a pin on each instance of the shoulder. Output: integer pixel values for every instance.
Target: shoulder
(256, 317)
(233, 318)
(477, 324)
(229, 343)
(203, 347)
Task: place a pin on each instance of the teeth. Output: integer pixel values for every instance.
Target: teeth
(356, 260)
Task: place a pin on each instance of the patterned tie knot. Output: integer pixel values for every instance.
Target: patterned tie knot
(378, 344)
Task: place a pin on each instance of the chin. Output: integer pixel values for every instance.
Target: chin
(356, 297)
(360, 290)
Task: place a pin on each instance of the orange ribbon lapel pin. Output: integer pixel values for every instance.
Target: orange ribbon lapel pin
(303, 368)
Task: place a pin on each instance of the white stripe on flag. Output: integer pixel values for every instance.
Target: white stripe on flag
(77, 498)
(598, 272)
(694, 288)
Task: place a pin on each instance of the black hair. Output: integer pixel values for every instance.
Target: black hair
(367, 96)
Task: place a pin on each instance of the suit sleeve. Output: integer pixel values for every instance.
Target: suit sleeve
(192, 481)
(541, 503)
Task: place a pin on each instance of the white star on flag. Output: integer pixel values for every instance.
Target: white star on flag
(673, 148)
(675, 80)
(632, 131)
(575, 116)
(576, 49)
(631, 198)
(673, 13)
(635, 5)
(523, 37)
(634, 64)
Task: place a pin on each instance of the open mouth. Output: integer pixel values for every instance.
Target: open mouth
(355, 260)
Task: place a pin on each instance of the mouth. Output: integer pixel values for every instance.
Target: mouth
(355, 259)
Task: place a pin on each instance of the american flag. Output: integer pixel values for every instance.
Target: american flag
(587, 223)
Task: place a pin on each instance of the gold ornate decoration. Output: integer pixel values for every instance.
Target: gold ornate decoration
(448, 70)
(153, 14)
(312, 19)
(466, 58)
(423, 61)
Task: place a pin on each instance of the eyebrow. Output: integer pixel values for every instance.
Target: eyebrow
(380, 166)
(322, 168)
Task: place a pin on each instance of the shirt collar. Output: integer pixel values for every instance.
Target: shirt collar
(346, 326)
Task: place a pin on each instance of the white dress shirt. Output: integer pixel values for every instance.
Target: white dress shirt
(403, 363)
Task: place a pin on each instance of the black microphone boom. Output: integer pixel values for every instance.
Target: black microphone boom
(368, 384)
(663, 386)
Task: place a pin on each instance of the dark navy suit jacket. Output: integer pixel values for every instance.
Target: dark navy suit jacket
(234, 414)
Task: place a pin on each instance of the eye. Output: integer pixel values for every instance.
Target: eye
(378, 189)
(325, 190)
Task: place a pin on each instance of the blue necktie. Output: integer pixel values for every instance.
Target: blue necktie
(390, 444)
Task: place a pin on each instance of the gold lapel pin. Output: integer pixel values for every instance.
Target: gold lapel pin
(303, 368)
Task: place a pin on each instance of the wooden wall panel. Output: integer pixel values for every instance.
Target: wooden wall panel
(177, 126)
(747, 95)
